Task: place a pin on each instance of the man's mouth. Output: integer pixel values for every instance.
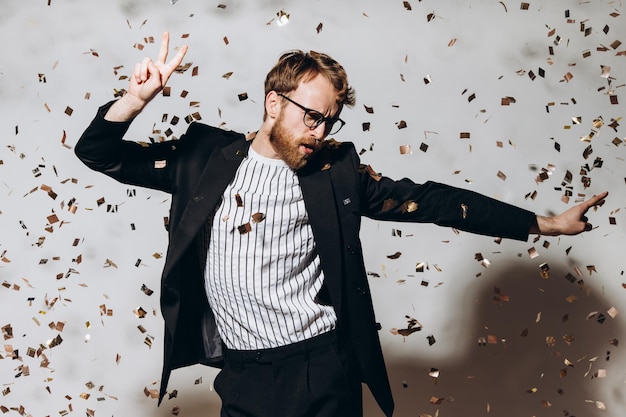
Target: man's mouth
(307, 148)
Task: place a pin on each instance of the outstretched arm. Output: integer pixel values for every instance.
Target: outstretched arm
(571, 222)
(148, 79)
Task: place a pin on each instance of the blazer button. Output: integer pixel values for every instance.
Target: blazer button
(361, 291)
(351, 250)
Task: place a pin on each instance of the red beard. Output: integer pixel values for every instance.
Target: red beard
(289, 148)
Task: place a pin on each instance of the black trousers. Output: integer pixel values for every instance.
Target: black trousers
(314, 378)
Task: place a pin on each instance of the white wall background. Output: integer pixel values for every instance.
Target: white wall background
(58, 277)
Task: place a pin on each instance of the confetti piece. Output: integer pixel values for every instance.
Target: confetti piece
(412, 326)
(283, 18)
(505, 101)
(258, 217)
(483, 261)
(244, 228)
(409, 207)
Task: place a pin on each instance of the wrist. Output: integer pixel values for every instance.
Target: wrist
(545, 226)
(124, 109)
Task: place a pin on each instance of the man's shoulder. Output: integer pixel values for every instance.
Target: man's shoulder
(332, 153)
(205, 131)
(336, 149)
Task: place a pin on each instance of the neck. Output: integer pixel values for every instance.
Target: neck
(262, 144)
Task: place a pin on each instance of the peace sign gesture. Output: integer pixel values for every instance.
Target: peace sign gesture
(148, 79)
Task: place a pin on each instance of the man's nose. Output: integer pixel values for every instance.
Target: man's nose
(318, 132)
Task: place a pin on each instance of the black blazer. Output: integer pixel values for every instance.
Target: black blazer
(337, 191)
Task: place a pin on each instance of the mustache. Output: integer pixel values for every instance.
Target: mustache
(312, 143)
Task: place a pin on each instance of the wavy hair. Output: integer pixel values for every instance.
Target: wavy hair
(296, 66)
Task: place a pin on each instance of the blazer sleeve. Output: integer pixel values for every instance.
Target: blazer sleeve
(102, 148)
(406, 201)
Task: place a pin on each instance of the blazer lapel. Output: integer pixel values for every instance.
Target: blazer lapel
(319, 200)
(218, 172)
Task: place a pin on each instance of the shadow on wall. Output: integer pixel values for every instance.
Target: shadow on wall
(541, 347)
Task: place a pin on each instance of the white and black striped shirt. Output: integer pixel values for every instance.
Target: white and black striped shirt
(263, 272)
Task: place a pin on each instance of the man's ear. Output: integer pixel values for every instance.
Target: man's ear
(273, 104)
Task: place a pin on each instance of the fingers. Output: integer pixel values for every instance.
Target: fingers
(596, 200)
(137, 73)
(178, 59)
(149, 77)
(171, 66)
(142, 71)
(145, 69)
(163, 51)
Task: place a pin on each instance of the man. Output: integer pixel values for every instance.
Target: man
(264, 274)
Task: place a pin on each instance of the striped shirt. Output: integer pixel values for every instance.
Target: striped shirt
(263, 272)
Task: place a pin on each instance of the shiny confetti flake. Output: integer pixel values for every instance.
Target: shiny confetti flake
(412, 326)
(244, 228)
(258, 217)
(282, 18)
(483, 261)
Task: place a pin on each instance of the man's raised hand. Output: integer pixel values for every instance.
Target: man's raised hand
(148, 79)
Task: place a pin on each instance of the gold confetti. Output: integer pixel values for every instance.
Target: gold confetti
(409, 207)
(412, 326)
(613, 312)
(483, 261)
(258, 217)
(244, 228)
(389, 204)
(283, 18)
(506, 101)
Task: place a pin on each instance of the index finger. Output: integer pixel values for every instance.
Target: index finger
(165, 42)
(596, 200)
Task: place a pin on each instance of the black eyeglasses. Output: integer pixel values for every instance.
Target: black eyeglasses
(312, 119)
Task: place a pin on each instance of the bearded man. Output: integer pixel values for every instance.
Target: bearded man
(264, 274)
